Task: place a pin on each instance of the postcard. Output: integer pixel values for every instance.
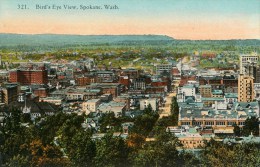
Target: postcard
(126, 83)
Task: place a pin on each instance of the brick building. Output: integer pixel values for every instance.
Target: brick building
(28, 76)
(125, 80)
(230, 81)
(41, 92)
(186, 78)
(205, 90)
(9, 93)
(216, 80)
(155, 89)
(132, 73)
(86, 80)
(108, 88)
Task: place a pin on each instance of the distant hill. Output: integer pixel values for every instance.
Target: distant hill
(50, 39)
(54, 42)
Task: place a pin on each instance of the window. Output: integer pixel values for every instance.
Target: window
(231, 123)
(209, 123)
(220, 123)
(197, 123)
(185, 123)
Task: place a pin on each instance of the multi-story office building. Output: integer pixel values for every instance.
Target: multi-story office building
(187, 90)
(91, 105)
(106, 76)
(9, 93)
(205, 90)
(163, 67)
(247, 60)
(139, 84)
(245, 88)
(257, 75)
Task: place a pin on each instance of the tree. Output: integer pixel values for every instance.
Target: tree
(111, 151)
(12, 121)
(189, 159)
(175, 110)
(109, 119)
(230, 155)
(135, 141)
(144, 124)
(148, 109)
(236, 130)
(251, 125)
(46, 155)
(162, 152)
(82, 149)
(49, 127)
(26, 118)
(18, 161)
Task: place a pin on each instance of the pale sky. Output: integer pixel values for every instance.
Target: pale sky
(180, 19)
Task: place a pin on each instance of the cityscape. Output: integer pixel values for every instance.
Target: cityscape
(130, 84)
(84, 99)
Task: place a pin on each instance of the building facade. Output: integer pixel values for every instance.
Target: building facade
(245, 88)
(91, 105)
(144, 103)
(9, 93)
(163, 67)
(205, 90)
(245, 60)
(29, 76)
(187, 90)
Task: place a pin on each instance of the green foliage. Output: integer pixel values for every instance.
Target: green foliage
(162, 152)
(217, 153)
(251, 125)
(21, 146)
(189, 159)
(135, 141)
(68, 144)
(237, 130)
(174, 111)
(12, 121)
(18, 161)
(165, 121)
(26, 118)
(144, 124)
(49, 126)
(82, 149)
(111, 151)
(109, 120)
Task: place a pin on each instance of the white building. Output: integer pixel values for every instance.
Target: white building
(90, 105)
(257, 90)
(163, 67)
(230, 97)
(247, 59)
(53, 100)
(118, 108)
(187, 90)
(144, 103)
(220, 105)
